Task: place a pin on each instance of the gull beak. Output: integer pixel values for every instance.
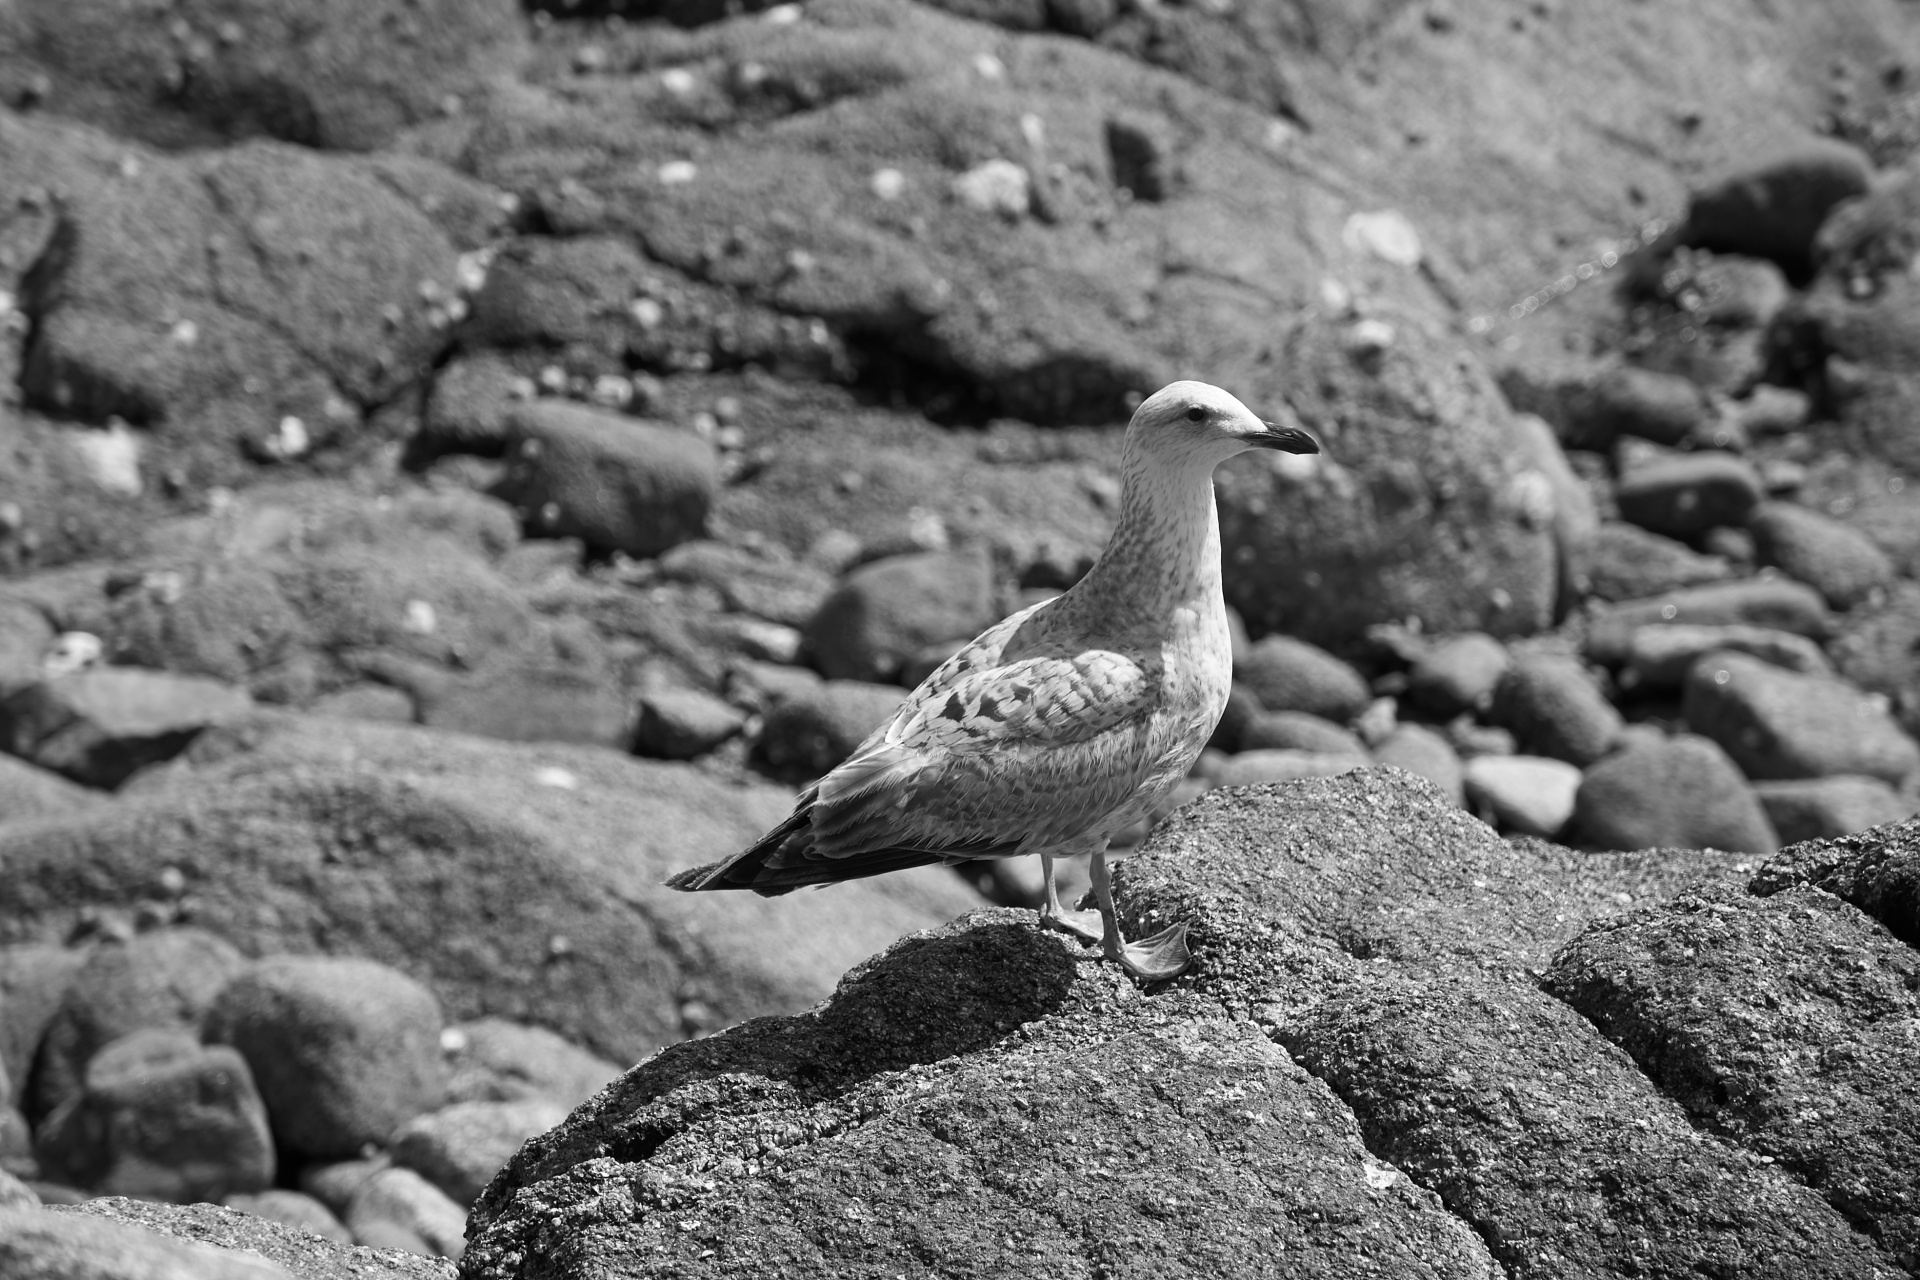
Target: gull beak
(1285, 439)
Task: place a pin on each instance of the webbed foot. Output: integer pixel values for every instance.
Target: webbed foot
(1154, 959)
(1085, 925)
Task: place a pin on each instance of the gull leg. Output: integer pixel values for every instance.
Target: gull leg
(1089, 925)
(1156, 959)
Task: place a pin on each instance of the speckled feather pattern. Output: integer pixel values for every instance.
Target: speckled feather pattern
(1050, 732)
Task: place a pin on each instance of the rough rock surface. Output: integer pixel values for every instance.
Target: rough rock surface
(300, 1253)
(1375, 935)
(578, 840)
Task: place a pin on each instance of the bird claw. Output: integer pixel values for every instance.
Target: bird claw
(1085, 925)
(1154, 959)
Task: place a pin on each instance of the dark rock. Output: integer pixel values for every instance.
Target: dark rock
(351, 77)
(399, 1209)
(1782, 724)
(1300, 731)
(1456, 674)
(343, 1050)
(224, 292)
(1683, 792)
(1776, 604)
(1659, 657)
(1443, 1076)
(224, 620)
(162, 1117)
(1822, 808)
(1426, 436)
(885, 612)
(809, 733)
(1686, 495)
(292, 1209)
(1877, 871)
(1773, 208)
(294, 834)
(1141, 156)
(1421, 751)
(918, 1043)
(1555, 708)
(679, 724)
(1629, 563)
(469, 409)
(616, 483)
(1591, 408)
(1836, 560)
(1757, 1013)
(460, 1147)
(1880, 651)
(167, 978)
(44, 1244)
(1533, 795)
(1287, 674)
(33, 984)
(500, 1061)
(99, 726)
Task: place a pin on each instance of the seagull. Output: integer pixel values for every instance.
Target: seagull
(1063, 725)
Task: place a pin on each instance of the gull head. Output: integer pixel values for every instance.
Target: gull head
(1191, 422)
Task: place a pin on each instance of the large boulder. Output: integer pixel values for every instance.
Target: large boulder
(1783, 724)
(278, 828)
(351, 75)
(100, 726)
(1773, 207)
(1424, 504)
(1385, 940)
(1679, 792)
(163, 1117)
(885, 612)
(345, 1050)
(167, 978)
(617, 483)
(261, 295)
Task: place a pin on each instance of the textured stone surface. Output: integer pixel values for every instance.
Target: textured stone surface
(1553, 707)
(1756, 1014)
(280, 827)
(99, 726)
(1681, 792)
(344, 1050)
(1781, 724)
(1289, 674)
(161, 1117)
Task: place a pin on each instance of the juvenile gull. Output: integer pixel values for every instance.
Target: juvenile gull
(1063, 725)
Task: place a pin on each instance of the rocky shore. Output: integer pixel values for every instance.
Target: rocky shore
(460, 462)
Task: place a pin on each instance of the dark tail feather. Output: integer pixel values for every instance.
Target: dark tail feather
(783, 860)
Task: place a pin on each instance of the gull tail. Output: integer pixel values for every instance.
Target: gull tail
(786, 859)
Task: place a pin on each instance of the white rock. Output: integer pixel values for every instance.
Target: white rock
(677, 173)
(1529, 794)
(1386, 235)
(888, 184)
(70, 651)
(111, 457)
(421, 619)
(998, 186)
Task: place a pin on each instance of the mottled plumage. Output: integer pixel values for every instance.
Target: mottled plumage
(1063, 725)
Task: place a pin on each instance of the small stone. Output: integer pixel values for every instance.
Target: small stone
(1555, 708)
(996, 186)
(1419, 750)
(1838, 561)
(1783, 724)
(888, 184)
(1286, 674)
(680, 724)
(1681, 792)
(1386, 234)
(677, 173)
(1530, 795)
(1687, 495)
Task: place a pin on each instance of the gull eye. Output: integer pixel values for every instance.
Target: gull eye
(1196, 414)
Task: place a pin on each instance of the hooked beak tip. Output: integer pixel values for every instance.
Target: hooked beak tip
(1285, 439)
